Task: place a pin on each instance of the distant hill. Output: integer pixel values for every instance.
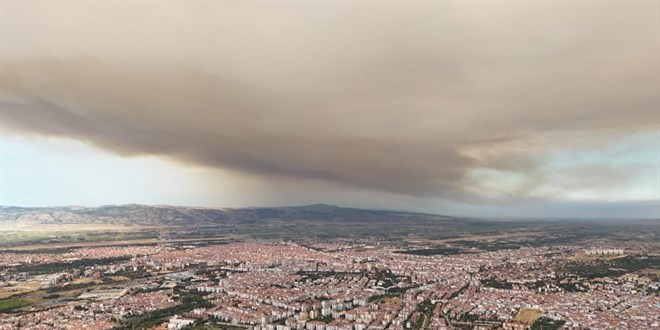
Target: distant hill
(149, 215)
(295, 222)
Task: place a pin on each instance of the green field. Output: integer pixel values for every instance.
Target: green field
(8, 305)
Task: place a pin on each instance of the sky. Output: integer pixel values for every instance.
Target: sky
(494, 109)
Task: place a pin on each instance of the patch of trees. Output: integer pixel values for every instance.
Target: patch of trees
(56, 267)
(459, 291)
(613, 267)
(70, 287)
(444, 251)
(545, 323)
(188, 302)
(383, 296)
(494, 283)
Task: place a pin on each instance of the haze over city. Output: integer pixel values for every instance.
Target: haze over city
(523, 109)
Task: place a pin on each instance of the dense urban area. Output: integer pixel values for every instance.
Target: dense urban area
(332, 284)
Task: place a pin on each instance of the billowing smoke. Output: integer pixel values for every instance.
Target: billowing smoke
(421, 99)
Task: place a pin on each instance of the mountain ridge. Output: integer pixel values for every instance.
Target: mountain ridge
(140, 214)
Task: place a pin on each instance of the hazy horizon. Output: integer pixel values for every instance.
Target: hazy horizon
(219, 207)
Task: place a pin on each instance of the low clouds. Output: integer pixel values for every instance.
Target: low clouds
(466, 102)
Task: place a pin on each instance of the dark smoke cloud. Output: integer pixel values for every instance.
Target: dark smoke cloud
(403, 98)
